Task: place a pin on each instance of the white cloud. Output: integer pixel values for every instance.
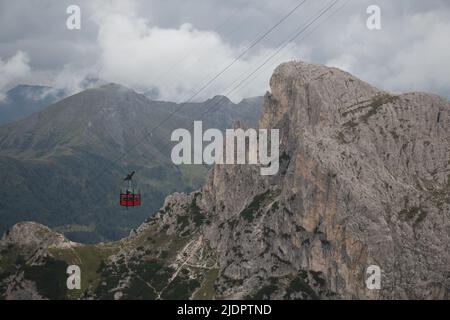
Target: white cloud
(14, 69)
(410, 52)
(150, 44)
(423, 64)
(178, 61)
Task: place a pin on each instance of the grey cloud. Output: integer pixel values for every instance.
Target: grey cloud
(390, 58)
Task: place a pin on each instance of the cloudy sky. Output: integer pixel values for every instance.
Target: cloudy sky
(175, 47)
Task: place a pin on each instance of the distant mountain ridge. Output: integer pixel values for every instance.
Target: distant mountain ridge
(23, 100)
(49, 159)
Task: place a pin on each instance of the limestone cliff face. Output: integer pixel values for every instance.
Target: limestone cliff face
(364, 179)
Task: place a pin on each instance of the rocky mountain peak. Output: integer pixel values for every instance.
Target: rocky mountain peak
(35, 235)
(114, 87)
(311, 94)
(364, 178)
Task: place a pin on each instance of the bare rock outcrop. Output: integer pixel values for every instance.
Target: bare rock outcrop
(363, 180)
(32, 234)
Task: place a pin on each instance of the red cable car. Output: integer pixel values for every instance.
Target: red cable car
(128, 196)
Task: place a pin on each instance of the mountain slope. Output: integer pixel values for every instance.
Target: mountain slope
(60, 168)
(364, 180)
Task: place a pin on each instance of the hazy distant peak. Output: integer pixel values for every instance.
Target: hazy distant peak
(257, 99)
(221, 98)
(22, 87)
(114, 87)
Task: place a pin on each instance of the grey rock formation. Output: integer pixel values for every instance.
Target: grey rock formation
(35, 235)
(364, 180)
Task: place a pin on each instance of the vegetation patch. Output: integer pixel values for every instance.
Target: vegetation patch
(317, 276)
(193, 214)
(375, 105)
(196, 212)
(265, 293)
(10, 259)
(182, 221)
(181, 288)
(299, 286)
(249, 212)
(441, 197)
(413, 214)
(229, 282)
(139, 290)
(50, 278)
(110, 279)
(275, 207)
(284, 158)
(350, 124)
(90, 259)
(232, 223)
(155, 273)
(284, 161)
(207, 290)
(340, 137)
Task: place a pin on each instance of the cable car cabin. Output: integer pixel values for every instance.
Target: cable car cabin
(128, 196)
(130, 199)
